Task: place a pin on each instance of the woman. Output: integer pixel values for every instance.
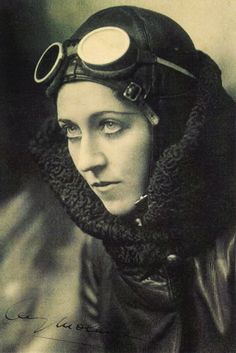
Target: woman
(143, 161)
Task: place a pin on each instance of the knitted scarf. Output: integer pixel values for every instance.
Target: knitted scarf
(189, 203)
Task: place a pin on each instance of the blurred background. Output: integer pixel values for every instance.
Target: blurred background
(39, 252)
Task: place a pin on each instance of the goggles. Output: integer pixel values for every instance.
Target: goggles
(106, 52)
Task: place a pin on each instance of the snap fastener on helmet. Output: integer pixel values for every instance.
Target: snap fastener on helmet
(132, 91)
(138, 222)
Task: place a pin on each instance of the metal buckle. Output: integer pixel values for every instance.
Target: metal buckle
(132, 91)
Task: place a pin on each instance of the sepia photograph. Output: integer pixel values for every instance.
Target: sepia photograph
(118, 169)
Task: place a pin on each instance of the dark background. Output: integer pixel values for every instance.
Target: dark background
(24, 31)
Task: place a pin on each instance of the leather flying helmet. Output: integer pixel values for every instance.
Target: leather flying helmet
(141, 54)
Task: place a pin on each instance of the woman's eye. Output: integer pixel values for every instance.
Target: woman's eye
(111, 127)
(72, 132)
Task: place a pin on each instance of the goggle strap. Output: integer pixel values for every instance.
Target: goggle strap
(174, 67)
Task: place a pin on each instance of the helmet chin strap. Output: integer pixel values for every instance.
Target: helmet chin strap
(142, 198)
(140, 207)
(153, 118)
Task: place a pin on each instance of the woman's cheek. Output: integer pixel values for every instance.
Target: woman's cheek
(73, 149)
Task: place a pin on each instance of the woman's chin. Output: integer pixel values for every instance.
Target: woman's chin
(120, 207)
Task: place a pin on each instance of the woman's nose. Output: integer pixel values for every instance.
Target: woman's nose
(89, 156)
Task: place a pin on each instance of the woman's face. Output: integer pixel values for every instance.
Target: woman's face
(109, 142)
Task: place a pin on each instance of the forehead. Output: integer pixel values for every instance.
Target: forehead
(86, 98)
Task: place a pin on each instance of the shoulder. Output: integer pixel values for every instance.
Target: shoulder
(95, 258)
(93, 248)
(217, 266)
(225, 252)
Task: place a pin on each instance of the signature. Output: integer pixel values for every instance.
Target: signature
(15, 312)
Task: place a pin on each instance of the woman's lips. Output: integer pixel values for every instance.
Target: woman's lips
(103, 186)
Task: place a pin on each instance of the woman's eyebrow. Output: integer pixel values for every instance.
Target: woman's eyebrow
(98, 115)
(108, 112)
(62, 120)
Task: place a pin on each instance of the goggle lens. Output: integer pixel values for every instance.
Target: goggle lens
(48, 62)
(103, 46)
